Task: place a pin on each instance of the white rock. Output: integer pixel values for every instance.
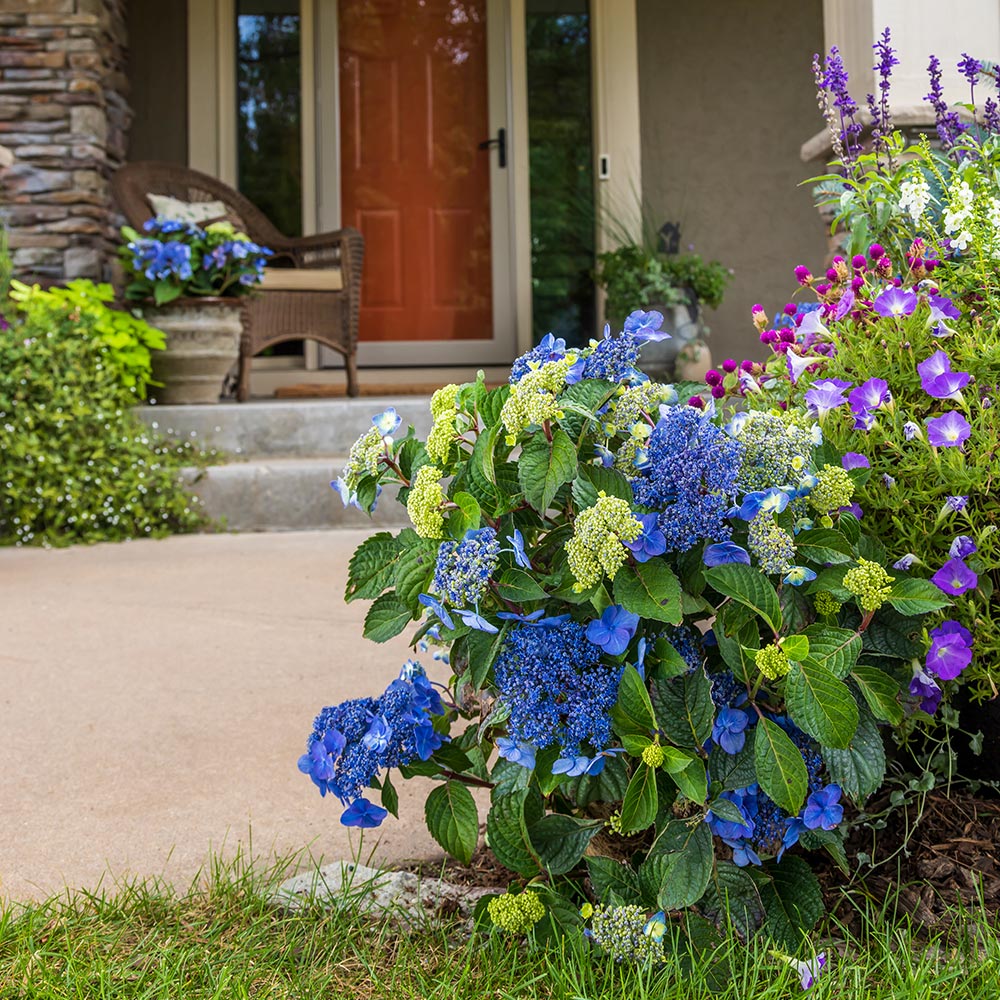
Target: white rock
(408, 899)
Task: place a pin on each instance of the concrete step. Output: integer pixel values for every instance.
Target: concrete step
(289, 428)
(284, 494)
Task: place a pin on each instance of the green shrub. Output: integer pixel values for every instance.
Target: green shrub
(77, 465)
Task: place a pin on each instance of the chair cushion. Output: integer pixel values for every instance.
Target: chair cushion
(302, 279)
(166, 207)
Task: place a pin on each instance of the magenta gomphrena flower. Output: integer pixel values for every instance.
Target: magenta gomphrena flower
(875, 251)
(759, 316)
(955, 578)
(858, 261)
(803, 275)
(895, 302)
(884, 266)
(729, 365)
(949, 431)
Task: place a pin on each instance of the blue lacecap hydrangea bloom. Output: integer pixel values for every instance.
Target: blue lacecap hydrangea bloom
(353, 741)
(464, 568)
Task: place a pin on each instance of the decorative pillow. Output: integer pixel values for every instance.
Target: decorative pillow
(165, 207)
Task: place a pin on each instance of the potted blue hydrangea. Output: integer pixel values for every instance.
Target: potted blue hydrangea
(192, 279)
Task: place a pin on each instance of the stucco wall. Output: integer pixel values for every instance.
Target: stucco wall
(157, 69)
(726, 100)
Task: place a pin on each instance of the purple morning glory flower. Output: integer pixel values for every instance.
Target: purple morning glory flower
(437, 608)
(948, 431)
(872, 395)
(956, 504)
(825, 395)
(475, 620)
(895, 302)
(855, 460)
(517, 547)
(651, 541)
(845, 305)
(644, 326)
(364, 814)
(726, 552)
(950, 652)
(613, 631)
(823, 810)
(911, 430)
(517, 753)
(905, 562)
(924, 687)
(728, 730)
(962, 547)
(938, 380)
(942, 308)
(797, 364)
(955, 578)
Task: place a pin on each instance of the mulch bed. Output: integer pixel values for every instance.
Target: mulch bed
(924, 865)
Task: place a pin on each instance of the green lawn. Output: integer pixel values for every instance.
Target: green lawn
(223, 940)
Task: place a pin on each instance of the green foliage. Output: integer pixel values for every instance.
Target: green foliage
(636, 277)
(78, 466)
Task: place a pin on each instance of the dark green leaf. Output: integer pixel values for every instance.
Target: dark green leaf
(823, 546)
(679, 866)
(732, 897)
(594, 479)
(684, 708)
(507, 830)
(483, 649)
(748, 586)
(639, 805)
(613, 880)
(820, 704)
(452, 819)
(633, 712)
(781, 771)
(837, 649)
(881, 692)
(561, 840)
(414, 567)
(387, 617)
(520, 587)
(732, 771)
(893, 635)
(371, 567)
(466, 518)
(491, 404)
(692, 780)
(792, 900)
(912, 596)
(390, 798)
(650, 590)
(860, 768)
(544, 466)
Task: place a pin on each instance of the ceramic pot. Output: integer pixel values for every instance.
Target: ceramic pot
(203, 344)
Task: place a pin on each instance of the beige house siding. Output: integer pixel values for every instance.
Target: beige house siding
(726, 100)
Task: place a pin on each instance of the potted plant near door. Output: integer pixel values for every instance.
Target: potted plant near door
(193, 280)
(675, 284)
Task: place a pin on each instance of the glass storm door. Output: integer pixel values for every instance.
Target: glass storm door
(423, 176)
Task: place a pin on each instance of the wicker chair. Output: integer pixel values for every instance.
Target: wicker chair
(293, 304)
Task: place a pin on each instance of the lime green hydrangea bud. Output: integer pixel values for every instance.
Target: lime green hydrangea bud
(653, 755)
(826, 604)
(771, 544)
(516, 914)
(772, 662)
(634, 403)
(424, 502)
(615, 822)
(442, 433)
(363, 458)
(532, 399)
(834, 489)
(627, 934)
(869, 583)
(596, 547)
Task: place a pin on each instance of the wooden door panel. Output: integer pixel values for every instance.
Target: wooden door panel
(413, 110)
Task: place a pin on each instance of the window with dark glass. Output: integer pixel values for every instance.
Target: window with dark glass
(269, 108)
(561, 169)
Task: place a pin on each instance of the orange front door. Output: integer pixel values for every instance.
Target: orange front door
(413, 110)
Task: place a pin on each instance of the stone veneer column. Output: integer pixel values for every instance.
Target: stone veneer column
(65, 117)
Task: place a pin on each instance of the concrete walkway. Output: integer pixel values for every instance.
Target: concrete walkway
(156, 696)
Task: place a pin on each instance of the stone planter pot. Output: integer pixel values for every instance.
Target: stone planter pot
(203, 344)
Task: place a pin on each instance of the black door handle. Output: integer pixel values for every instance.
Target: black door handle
(501, 144)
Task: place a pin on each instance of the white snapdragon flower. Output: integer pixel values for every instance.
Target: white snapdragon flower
(958, 216)
(914, 194)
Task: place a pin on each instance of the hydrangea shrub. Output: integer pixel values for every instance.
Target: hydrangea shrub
(672, 646)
